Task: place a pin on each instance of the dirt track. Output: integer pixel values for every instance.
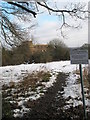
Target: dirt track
(50, 106)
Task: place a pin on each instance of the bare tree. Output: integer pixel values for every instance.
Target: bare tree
(12, 32)
(27, 10)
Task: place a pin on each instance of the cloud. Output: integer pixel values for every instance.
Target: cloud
(46, 32)
(77, 37)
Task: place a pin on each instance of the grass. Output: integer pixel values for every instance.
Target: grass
(15, 90)
(86, 77)
(6, 109)
(46, 77)
(85, 81)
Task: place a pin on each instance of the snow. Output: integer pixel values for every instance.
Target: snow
(72, 88)
(50, 82)
(19, 113)
(16, 73)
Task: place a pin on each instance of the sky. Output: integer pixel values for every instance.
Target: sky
(48, 29)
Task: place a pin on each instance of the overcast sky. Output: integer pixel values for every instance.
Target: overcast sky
(48, 29)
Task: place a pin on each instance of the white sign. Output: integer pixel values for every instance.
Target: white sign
(79, 56)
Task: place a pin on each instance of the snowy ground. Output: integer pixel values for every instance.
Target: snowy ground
(16, 73)
(72, 88)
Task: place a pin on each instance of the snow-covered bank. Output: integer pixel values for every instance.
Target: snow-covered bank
(72, 89)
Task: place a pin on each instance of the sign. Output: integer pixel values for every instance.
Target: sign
(78, 56)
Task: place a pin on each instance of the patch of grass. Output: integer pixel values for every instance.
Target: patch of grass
(33, 79)
(85, 81)
(88, 78)
(46, 77)
(33, 89)
(6, 109)
(15, 90)
(11, 84)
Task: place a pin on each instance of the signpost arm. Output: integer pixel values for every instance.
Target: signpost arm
(82, 88)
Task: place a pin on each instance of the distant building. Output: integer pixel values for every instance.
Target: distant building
(36, 48)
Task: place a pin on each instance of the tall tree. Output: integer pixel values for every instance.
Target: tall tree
(58, 50)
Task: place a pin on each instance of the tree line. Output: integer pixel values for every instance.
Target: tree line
(56, 51)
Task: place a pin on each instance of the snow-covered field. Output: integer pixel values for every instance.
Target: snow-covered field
(72, 89)
(16, 73)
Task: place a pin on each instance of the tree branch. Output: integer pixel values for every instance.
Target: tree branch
(24, 8)
(54, 10)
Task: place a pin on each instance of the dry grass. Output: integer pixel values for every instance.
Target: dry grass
(27, 87)
(33, 80)
(86, 78)
(29, 83)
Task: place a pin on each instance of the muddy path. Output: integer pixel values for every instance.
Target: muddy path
(51, 105)
(48, 106)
